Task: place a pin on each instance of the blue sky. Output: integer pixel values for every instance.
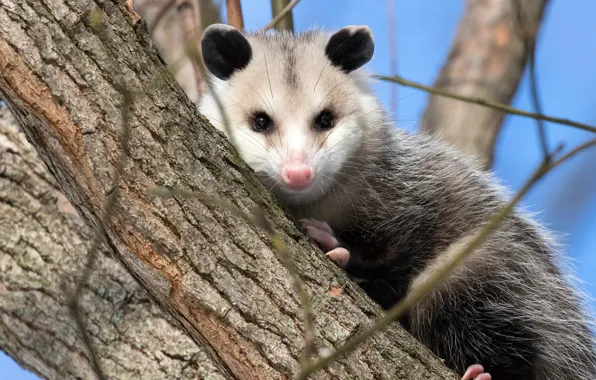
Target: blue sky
(565, 66)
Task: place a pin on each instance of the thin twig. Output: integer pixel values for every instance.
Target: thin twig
(234, 12)
(420, 292)
(530, 47)
(392, 53)
(280, 16)
(485, 102)
(160, 15)
(73, 303)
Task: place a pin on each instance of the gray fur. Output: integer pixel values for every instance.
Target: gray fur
(415, 199)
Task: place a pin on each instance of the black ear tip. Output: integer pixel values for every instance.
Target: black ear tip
(351, 47)
(217, 29)
(362, 30)
(225, 50)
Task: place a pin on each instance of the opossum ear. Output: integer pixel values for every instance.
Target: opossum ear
(225, 50)
(351, 47)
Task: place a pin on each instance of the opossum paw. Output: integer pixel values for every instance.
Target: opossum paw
(476, 372)
(320, 232)
(340, 256)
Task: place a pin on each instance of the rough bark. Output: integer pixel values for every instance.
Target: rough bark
(487, 60)
(216, 275)
(43, 245)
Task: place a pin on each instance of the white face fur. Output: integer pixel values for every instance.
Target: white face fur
(295, 105)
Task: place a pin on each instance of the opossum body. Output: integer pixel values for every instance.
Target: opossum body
(391, 206)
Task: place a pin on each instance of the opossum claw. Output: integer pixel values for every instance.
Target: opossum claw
(339, 256)
(476, 372)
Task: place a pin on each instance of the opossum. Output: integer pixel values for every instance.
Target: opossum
(390, 206)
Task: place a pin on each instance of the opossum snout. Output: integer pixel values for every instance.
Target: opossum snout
(297, 175)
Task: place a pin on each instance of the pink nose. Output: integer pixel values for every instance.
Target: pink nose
(297, 175)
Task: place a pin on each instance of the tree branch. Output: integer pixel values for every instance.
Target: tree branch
(43, 245)
(486, 61)
(486, 103)
(524, 28)
(234, 11)
(282, 15)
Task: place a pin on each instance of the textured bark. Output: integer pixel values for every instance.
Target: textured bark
(487, 60)
(215, 274)
(43, 245)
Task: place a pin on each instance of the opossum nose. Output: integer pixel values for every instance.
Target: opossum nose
(297, 175)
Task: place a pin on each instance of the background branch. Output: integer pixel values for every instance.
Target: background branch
(525, 32)
(487, 61)
(234, 12)
(486, 103)
(281, 11)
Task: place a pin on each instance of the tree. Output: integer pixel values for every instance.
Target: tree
(86, 84)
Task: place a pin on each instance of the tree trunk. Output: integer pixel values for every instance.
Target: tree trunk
(43, 244)
(487, 60)
(215, 274)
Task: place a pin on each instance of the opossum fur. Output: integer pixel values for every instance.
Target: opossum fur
(401, 203)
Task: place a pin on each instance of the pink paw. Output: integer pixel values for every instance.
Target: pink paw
(322, 234)
(476, 372)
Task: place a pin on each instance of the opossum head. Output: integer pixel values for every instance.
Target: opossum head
(294, 106)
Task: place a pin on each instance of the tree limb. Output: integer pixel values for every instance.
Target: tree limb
(43, 243)
(282, 15)
(487, 60)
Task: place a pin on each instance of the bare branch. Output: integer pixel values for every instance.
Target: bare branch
(282, 15)
(486, 103)
(234, 10)
(529, 39)
(487, 61)
(392, 53)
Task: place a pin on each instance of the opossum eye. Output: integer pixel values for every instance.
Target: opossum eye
(324, 121)
(261, 122)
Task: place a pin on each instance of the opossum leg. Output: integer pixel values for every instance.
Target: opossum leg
(476, 372)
